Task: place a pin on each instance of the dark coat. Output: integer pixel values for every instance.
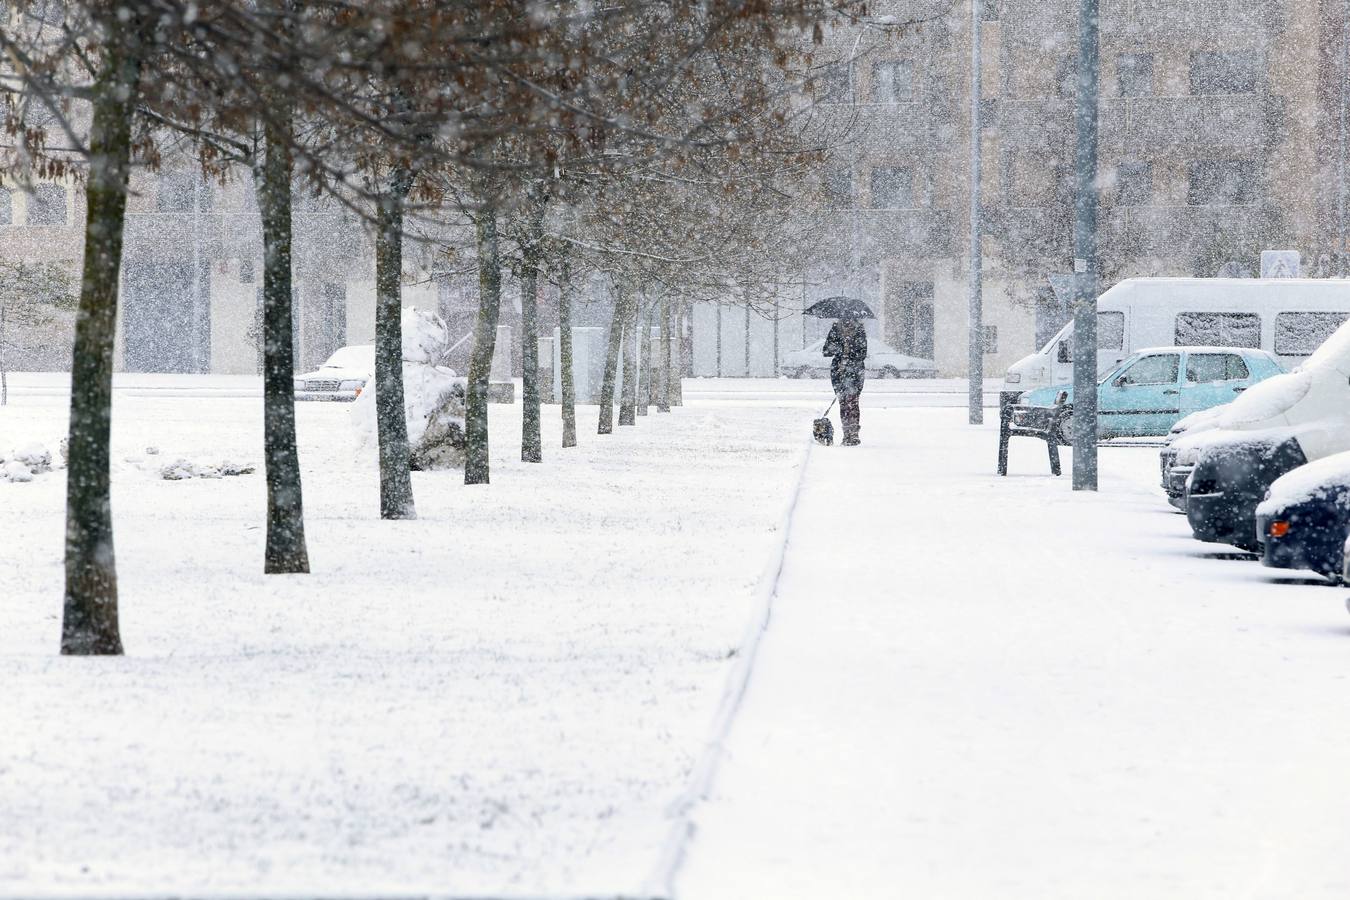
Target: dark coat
(849, 352)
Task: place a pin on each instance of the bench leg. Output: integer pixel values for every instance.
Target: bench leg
(1005, 405)
(1053, 447)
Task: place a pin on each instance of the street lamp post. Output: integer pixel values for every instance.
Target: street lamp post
(976, 316)
(1085, 263)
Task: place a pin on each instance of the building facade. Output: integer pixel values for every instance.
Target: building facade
(1222, 133)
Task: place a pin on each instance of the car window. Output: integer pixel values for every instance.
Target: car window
(1300, 333)
(1206, 367)
(1159, 369)
(1199, 329)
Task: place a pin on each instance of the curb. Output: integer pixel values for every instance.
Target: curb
(661, 883)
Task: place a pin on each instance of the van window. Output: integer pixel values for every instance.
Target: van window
(1202, 368)
(1159, 369)
(1110, 330)
(1300, 333)
(1197, 329)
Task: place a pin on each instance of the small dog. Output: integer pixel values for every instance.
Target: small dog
(823, 431)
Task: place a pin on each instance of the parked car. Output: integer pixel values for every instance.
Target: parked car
(1174, 475)
(342, 377)
(882, 362)
(1272, 429)
(1305, 519)
(1288, 317)
(1150, 391)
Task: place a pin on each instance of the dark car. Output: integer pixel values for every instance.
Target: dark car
(1175, 473)
(1305, 522)
(1231, 478)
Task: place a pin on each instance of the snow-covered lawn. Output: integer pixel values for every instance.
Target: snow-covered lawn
(503, 696)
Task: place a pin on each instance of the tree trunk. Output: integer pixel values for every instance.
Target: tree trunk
(646, 364)
(396, 496)
(286, 552)
(663, 396)
(628, 405)
(677, 365)
(611, 364)
(89, 623)
(569, 390)
(4, 370)
(530, 444)
(476, 468)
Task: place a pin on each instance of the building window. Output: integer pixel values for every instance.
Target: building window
(1300, 333)
(1222, 182)
(6, 208)
(839, 188)
(1134, 183)
(892, 188)
(909, 318)
(175, 193)
(832, 84)
(1224, 73)
(1134, 72)
(1066, 76)
(179, 191)
(1197, 329)
(892, 81)
(990, 338)
(47, 205)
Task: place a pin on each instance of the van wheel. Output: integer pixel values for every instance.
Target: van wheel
(1063, 434)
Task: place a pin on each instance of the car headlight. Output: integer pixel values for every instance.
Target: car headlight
(354, 385)
(297, 384)
(1013, 378)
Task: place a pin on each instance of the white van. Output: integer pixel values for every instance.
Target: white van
(1289, 317)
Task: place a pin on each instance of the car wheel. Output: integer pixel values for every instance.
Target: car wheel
(1064, 428)
(890, 372)
(800, 372)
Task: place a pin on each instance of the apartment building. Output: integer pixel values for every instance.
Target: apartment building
(1222, 133)
(191, 291)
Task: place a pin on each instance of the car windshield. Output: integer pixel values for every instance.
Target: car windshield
(359, 357)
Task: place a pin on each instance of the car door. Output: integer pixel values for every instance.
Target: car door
(1141, 398)
(1212, 379)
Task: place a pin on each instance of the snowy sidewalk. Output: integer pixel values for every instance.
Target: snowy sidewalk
(981, 687)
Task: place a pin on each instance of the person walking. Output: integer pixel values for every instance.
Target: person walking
(847, 344)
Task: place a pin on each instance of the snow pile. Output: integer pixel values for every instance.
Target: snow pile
(1267, 399)
(1322, 479)
(182, 469)
(22, 464)
(433, 397)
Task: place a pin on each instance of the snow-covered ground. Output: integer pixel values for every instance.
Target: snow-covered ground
(969, 687)
(975, 687)
(502, 696)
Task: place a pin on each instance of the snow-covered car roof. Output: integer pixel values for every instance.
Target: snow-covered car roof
(1307, 482)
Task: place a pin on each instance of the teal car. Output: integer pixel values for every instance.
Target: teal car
(1150, 391)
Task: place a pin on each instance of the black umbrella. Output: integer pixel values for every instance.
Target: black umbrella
(839, 308)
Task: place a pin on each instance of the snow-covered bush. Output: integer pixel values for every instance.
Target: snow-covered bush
(433, 397)
(24, 463)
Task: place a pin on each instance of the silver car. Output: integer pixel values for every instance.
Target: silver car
(342, 377)
(882, 362)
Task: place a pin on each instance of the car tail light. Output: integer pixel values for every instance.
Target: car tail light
(1279, 528)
